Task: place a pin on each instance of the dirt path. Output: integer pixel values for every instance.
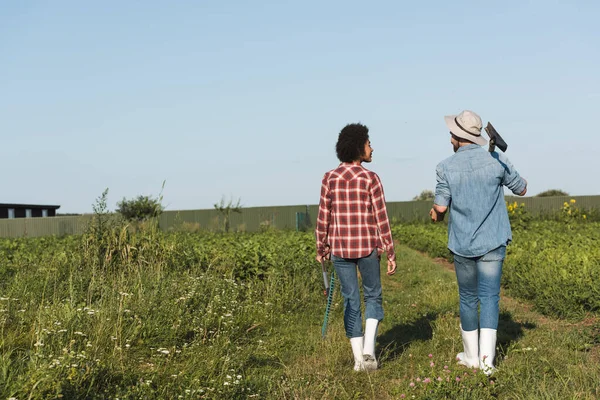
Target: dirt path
(528, 311)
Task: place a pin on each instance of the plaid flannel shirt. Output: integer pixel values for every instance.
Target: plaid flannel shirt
(352, 218)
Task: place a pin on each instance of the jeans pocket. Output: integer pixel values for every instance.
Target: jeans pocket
(497, 254)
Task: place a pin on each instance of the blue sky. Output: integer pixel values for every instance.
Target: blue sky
(245, 99)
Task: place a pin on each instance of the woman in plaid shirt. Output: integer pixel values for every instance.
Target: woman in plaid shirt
(353, 229)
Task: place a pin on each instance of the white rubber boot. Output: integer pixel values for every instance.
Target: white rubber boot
(470, 357)
(357, 350)
(487, 350)
(369, 360)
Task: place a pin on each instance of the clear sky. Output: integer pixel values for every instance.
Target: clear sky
(245, 99)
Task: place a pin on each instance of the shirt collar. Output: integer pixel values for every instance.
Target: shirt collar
(468, 147)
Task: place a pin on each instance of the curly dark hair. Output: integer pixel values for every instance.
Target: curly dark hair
(351, 142)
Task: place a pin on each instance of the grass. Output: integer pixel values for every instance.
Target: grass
(164, 319)
(538, 357)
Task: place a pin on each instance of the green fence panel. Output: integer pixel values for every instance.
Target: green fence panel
(253, 219)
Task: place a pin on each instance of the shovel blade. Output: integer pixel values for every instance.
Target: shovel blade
(495, 138)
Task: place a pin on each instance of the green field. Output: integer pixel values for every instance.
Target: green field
(138, 313)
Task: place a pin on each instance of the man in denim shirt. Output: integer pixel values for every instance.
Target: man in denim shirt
(470, 183)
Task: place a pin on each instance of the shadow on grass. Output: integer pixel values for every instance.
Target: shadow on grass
(394, 341)
(510, 331)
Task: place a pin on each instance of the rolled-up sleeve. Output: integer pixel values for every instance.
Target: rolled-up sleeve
(442, 188)
(511, 178)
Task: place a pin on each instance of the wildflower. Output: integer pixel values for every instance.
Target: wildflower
(225, 383)
(572, 201)
(412, 384)
(457, 379)
(584, 216)
(432, 364)
(418, 379)
(445, 367)
(402, 396)
(426, 380)
(439, 379)
(430, 355)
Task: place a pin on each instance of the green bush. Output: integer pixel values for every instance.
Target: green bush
(553, 264)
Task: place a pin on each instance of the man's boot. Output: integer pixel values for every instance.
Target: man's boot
(487, 350)
(470, 357)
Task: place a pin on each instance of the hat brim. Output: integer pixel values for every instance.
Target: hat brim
(451, 124)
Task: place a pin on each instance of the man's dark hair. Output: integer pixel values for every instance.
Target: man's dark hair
(461, 140)
(351, 142)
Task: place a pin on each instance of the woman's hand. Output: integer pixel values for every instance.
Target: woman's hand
(391, 267)
(327, 255)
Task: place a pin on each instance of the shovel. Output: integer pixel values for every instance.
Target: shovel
(495, 139)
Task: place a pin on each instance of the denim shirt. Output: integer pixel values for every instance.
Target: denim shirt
(471, 183)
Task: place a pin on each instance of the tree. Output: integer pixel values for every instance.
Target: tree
(225, 209)
(140, 208)
(552, 192)
(425, 195)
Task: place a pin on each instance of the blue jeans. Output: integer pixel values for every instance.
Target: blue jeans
(479, 285)
(371, 283)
